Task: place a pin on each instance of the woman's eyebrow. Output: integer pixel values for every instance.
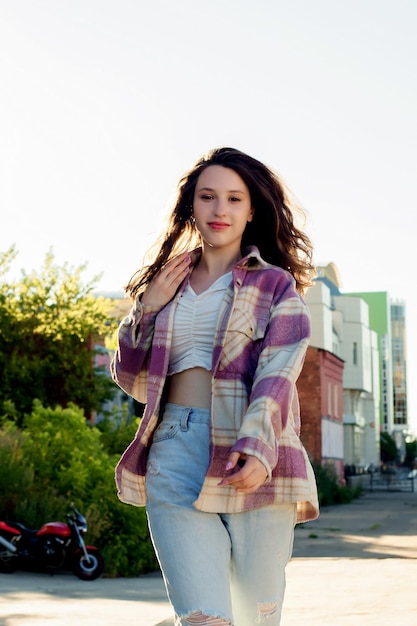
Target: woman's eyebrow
(229, 191)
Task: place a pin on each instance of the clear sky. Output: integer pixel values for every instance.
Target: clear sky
(105, 103)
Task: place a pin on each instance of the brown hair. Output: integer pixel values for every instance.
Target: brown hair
(272, 229)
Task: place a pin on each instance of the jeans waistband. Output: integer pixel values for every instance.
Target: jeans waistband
(178, 412)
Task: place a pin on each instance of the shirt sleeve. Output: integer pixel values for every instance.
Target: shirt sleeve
(274, 396)
(129, 366)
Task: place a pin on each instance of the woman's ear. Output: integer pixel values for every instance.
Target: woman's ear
(251, 214)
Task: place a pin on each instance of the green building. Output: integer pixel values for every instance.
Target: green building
(380, 321)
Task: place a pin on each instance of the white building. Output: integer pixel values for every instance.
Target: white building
(340, 325)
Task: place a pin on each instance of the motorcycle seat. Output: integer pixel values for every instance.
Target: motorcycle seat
(23, 529)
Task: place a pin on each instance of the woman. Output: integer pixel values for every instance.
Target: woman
(213, 346)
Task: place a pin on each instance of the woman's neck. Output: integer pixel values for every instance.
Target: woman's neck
(215, 263)
(210, 267)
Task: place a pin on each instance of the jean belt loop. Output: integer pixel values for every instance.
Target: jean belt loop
(184, 419)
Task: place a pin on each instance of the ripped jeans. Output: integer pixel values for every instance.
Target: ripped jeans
(220, 569)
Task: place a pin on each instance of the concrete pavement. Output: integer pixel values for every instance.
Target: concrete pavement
(354, 566)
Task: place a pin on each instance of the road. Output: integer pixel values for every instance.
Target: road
(354, 566)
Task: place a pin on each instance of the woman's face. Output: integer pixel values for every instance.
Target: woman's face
(222, 207)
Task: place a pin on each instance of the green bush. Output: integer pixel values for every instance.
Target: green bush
(56, 458)
(330, 491)
(117, 431)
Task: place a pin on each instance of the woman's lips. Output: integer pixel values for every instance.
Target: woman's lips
(218, 225)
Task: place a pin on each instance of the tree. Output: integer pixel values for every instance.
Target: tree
(49, 323)
(389, 450)
(410, 452)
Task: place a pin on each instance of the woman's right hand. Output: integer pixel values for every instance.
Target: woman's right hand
(165, 283)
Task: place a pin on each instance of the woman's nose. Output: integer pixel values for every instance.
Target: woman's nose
(221, 207)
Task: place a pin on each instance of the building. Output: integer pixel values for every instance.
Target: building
(320, 385)
(401, 423)
(399, 365)
(320, 389)
(380, 322)
(361, 389)
(339, 387)
(387, 318)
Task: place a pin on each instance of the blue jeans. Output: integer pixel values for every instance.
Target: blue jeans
(227, 567)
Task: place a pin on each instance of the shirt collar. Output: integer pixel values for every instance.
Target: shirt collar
(251, 256)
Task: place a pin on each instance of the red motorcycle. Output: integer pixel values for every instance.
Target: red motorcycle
(53, 546)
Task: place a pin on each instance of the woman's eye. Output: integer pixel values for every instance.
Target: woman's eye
(207, 196)
(234, 199)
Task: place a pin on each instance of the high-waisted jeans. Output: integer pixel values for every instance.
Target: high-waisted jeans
(228, 567)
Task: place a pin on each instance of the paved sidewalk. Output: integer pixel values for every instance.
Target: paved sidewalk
(354, 566)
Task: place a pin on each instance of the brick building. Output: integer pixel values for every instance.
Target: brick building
(320, 389)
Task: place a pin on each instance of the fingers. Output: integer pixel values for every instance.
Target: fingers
(173, 272)
(233, 460)
(247, 479)
(163, 286)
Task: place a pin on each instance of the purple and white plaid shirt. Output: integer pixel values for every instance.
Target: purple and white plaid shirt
(261, 339)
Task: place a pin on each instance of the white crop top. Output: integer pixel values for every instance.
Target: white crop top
(195, 324)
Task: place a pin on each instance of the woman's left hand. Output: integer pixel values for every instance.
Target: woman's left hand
(251, 476)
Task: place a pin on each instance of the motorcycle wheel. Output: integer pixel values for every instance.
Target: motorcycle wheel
(91, 568)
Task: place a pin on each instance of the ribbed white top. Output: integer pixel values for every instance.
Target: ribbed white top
(195, 325)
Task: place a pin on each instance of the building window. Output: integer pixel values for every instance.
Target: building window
(329, 399)
(336, 400)
(355, 353)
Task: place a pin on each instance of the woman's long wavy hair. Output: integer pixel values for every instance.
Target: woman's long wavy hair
(272, 229)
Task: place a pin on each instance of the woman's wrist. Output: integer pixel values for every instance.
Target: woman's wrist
(148, 307)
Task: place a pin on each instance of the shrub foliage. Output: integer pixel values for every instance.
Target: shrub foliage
(330, 490)
(56, 458)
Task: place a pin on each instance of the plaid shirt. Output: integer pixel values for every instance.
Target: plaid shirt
(261, 338)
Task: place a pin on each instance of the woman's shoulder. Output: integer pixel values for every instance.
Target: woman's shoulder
(267, 277)
(255, 264)
(270, 276)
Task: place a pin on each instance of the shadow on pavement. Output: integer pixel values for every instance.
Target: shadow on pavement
(142, 588)
(376, 525)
